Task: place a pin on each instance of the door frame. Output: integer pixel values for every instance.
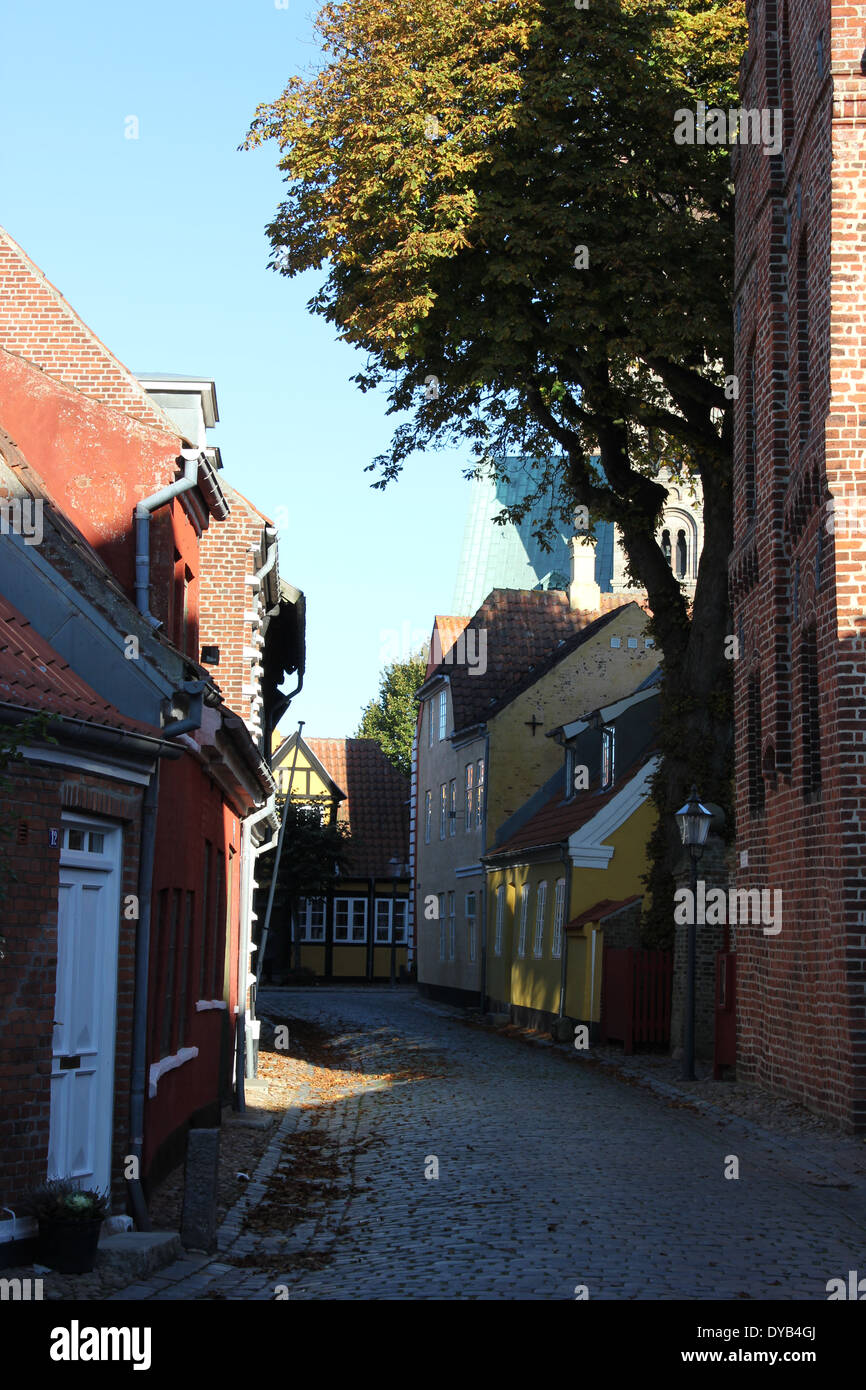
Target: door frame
(109, 862)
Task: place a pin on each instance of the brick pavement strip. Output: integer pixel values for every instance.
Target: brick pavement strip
(550, 1177)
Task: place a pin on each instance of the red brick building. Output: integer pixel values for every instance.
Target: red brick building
(797, 566)
(108, 464)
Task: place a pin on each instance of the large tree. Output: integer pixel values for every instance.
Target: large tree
(390, 718)
(531, 262)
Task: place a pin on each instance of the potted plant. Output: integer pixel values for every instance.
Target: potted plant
(70, 1219)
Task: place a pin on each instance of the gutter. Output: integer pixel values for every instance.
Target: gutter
(147, 849)
(566, 917)
(249, 855)
(143, 512)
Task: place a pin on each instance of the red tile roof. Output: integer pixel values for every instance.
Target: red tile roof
(601, 910)
(448, 630)
(34, 676)
(377, 802)
(525, 633)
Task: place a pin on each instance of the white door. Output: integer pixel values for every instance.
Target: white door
(82, 1068)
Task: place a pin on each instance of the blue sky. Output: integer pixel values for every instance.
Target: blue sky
(159, 245)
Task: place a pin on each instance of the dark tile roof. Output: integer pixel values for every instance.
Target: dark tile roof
(558, 819)
(34, 676)
(377, 802)
(526, 633)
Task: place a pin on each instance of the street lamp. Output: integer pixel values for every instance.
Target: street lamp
(694, 823)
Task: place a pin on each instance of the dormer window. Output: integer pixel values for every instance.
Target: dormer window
(608, 737)
(569, 773)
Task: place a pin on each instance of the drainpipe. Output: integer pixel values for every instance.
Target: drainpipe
(249, 854)
(143, 512)
(195, 690)
(260, 958)
(139, 1009)
(566, 911)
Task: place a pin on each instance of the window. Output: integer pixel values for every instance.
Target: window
(311, 919)
(441, 926)
(500, 919)
(350, 919)
(205, 900)
(558, 918)
(169, 947)
(682, 555)
(479, 791)
(400, 920)
(469, 795)
(383, 922)
(810, 722)
(608, 738)
(443, 810)
(452, 806)
(443, 713)
(430, 706)
(183, 1001)
(569, 774)
(218, 935)
(666, 545)
(540, 905)
(391, 918)
(470, 924)
(452, 926)
(524, 914)
(428, 815)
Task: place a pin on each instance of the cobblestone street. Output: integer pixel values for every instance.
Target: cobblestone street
(551, 1175)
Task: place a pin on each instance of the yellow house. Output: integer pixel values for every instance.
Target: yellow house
(360, 931)
(564, 874)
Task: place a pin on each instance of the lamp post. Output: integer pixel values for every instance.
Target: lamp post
(694, 823)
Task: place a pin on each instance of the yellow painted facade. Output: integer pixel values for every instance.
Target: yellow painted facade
(595, 674)
(533, 981)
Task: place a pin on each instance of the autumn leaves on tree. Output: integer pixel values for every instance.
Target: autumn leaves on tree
(493, 193)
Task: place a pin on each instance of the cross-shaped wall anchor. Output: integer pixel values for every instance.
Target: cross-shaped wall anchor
(533, 724)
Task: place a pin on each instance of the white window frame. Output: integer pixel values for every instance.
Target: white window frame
(428, 815)
(479, 791)
(309, 909)
(441, 926)
(351, 927)
(391, 916)
(443, 810)
(452, 806)
(569, 773)
(471, 923)
(452, 924)
(558, 919)
(540, 910)
(500, 919)
(443, 714)
(431, 703)
(608, 757)
(524, 919)
(469, 794)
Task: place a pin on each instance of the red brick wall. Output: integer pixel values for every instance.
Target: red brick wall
(229, 553)
(800, 993)
(37, 323)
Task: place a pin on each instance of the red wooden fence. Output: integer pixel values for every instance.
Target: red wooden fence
(636, 996)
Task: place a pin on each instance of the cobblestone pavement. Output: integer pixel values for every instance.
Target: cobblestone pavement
(551, 1175)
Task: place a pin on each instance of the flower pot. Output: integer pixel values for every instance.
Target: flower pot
(69, 1247)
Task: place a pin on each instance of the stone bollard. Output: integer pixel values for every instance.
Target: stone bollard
(198, 1223)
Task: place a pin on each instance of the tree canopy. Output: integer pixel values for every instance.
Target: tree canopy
(532, 263)
(390, 718)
